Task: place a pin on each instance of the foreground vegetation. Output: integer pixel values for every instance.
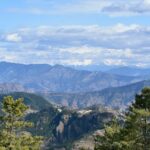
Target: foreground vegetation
(12, 127)
(130, 132)
(134, 132)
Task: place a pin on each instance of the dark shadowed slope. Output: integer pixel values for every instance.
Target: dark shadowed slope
(35, 102)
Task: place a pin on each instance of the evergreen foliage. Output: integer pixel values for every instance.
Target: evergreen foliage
(134, 134)
(12, 128)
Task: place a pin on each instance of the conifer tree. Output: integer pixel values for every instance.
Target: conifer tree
(134, 134)
(112, 138)
(137, 124)
(12, 127)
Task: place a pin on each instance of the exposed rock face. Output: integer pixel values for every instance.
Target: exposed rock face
(73, 125)
(60, 128)
(67, 126)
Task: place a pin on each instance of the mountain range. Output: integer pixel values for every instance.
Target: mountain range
(67, 105)
(74, 88)
(11, 87)
(59, 78)
(116, 97)
(130, 71)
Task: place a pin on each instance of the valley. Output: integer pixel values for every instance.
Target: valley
(77, 106)
(75, 75)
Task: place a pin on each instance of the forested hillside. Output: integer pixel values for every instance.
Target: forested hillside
(59, 126)
(35, 102)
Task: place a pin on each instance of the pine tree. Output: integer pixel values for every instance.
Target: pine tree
(134, 134)
(12, 128)
(113, 138)
(137, 125)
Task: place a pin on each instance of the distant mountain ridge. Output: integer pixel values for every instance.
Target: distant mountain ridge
(112, 97)
(130, 71)
(43, 77)
(11, 87)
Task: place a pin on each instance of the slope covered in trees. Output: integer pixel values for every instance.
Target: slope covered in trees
(35, 102)
(59, 126)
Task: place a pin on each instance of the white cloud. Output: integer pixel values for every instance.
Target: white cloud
(76, 62)
(147, 2)
(119, 53)
(142, 65)
(14, 37)
(116, 62)
(114, 45)
(2, 49)
(81, 50)
(120, 28)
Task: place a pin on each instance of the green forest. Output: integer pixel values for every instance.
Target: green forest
(130, 131)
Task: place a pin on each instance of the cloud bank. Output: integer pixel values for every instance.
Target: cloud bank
(78, 45)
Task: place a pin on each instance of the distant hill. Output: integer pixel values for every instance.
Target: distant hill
(113, 97)
(58, 78)
(11, 87)
(102, 67)
(130, 71)
(35, 102)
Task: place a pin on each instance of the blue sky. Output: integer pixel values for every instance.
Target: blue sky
(76, 32)
(31, 13)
